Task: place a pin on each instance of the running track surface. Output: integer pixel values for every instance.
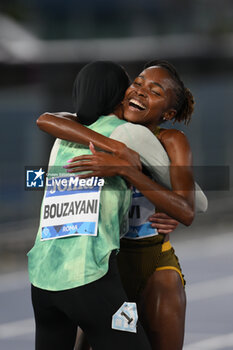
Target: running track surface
(207, 261)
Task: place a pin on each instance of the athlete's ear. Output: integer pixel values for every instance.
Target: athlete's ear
(170, 114)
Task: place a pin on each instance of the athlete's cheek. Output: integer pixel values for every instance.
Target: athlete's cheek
(129, 91)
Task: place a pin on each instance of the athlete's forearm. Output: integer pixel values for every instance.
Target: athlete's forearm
(166, 200)
(103, 164)
(65, 126)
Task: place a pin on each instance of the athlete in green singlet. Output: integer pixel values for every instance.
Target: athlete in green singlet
(156, 95)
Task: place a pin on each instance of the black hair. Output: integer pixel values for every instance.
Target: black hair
(98, 88)
(184, 104)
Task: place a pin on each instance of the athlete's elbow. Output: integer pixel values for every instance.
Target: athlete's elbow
(40, 122)
(189, 217)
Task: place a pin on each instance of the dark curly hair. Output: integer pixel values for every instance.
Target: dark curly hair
(184, 105)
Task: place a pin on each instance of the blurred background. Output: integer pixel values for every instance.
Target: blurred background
(43, 44)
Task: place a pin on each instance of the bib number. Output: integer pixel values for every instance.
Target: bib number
(125, 319)
(141, 209)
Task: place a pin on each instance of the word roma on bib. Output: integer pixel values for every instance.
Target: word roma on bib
(70, 207)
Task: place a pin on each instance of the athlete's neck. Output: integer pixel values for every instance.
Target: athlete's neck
(118, 111)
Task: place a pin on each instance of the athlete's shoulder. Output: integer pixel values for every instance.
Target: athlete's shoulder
(176, 145)
(171, 134)
(173, 137)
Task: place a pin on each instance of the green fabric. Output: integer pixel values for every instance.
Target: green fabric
(70, 262)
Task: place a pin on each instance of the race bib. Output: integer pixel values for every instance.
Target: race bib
(125, 319)
(70, 207)
(141, 208)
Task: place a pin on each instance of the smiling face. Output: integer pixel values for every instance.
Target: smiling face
(150, 98)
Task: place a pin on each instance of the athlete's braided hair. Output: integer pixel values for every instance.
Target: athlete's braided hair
(184, 99)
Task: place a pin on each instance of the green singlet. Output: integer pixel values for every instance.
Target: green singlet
(65, 263)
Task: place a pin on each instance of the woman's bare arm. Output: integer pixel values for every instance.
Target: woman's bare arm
(66, 127)
(178, 205)
(177, 147)
(180, 155)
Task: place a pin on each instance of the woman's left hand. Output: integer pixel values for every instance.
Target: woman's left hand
(99, 164)
(163, 223)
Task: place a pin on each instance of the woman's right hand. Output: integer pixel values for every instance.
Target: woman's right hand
(102, 163)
